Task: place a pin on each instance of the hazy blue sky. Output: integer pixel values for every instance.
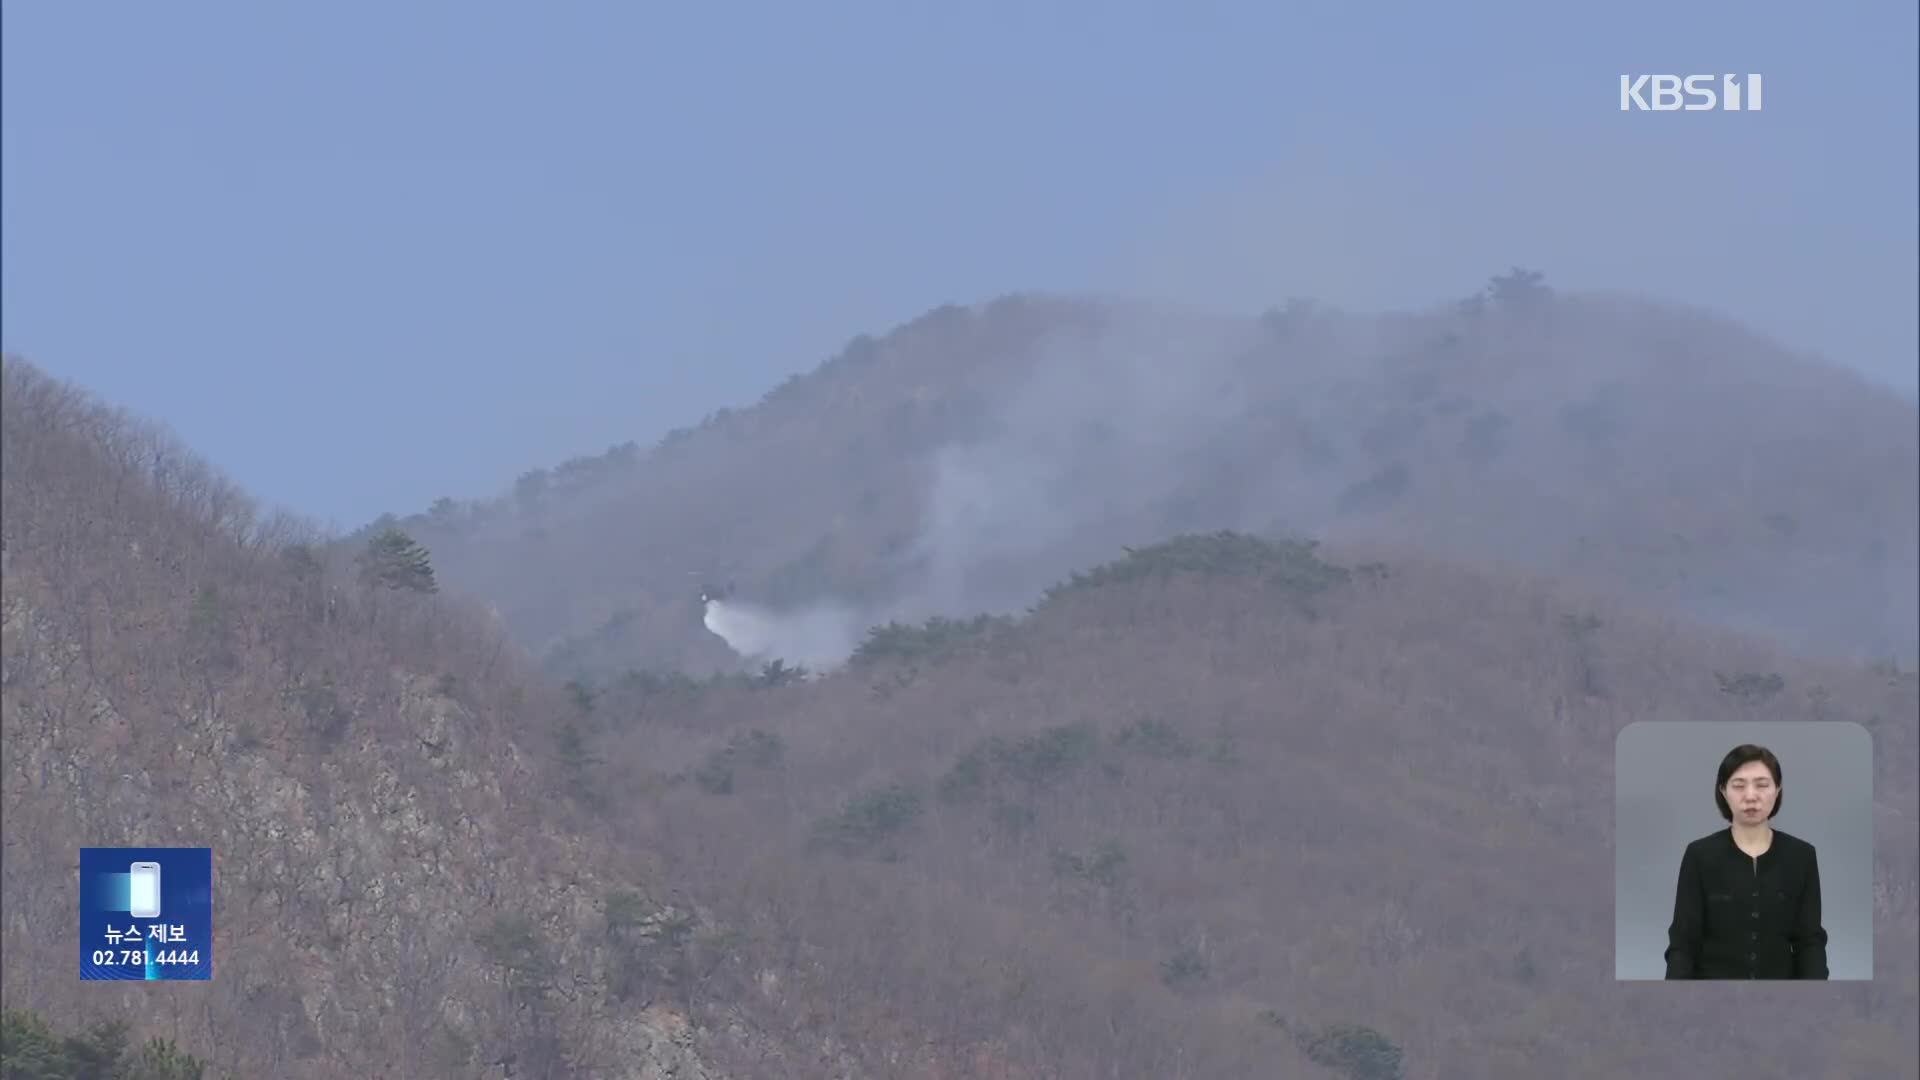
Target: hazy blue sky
(364, 255)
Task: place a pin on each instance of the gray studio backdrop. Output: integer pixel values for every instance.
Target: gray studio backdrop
(1663, 790)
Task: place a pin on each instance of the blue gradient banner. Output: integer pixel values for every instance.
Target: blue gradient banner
(146, 913)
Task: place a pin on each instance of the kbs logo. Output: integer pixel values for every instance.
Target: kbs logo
(1694, 93)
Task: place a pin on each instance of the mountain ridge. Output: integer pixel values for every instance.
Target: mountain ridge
(964, 459)
(1203, 811)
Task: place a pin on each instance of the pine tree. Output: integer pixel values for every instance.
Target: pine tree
(395, 561)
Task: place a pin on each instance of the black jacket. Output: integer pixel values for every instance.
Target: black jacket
(1737, 917)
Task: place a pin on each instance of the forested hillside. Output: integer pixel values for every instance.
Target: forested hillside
(962, 462)
(1218, 806)
(1222, 804)
(31, 1049)
(398, 891)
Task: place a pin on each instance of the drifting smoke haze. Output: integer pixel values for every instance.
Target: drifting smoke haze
(1115, 433)
(1593, 436)
(1692, 463)
(1081, 456)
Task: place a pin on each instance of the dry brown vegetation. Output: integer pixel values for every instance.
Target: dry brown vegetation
(1651, 453)
(1337, 811)
(1132, 834)
(398, 891)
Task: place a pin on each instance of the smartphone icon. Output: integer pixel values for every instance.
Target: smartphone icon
(143, 894)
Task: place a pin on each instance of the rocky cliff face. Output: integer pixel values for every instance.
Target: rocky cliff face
(401, 888)
(377, 911)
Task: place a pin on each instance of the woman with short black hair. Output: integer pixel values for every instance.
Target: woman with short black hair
(1748, 901)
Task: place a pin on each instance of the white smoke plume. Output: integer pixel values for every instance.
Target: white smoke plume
(819, 638)
(1086, 452)
(1147, 422)
(1078, 459)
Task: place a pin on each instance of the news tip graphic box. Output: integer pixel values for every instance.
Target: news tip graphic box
(146, 913)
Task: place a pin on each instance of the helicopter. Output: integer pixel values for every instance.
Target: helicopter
(709, 592)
